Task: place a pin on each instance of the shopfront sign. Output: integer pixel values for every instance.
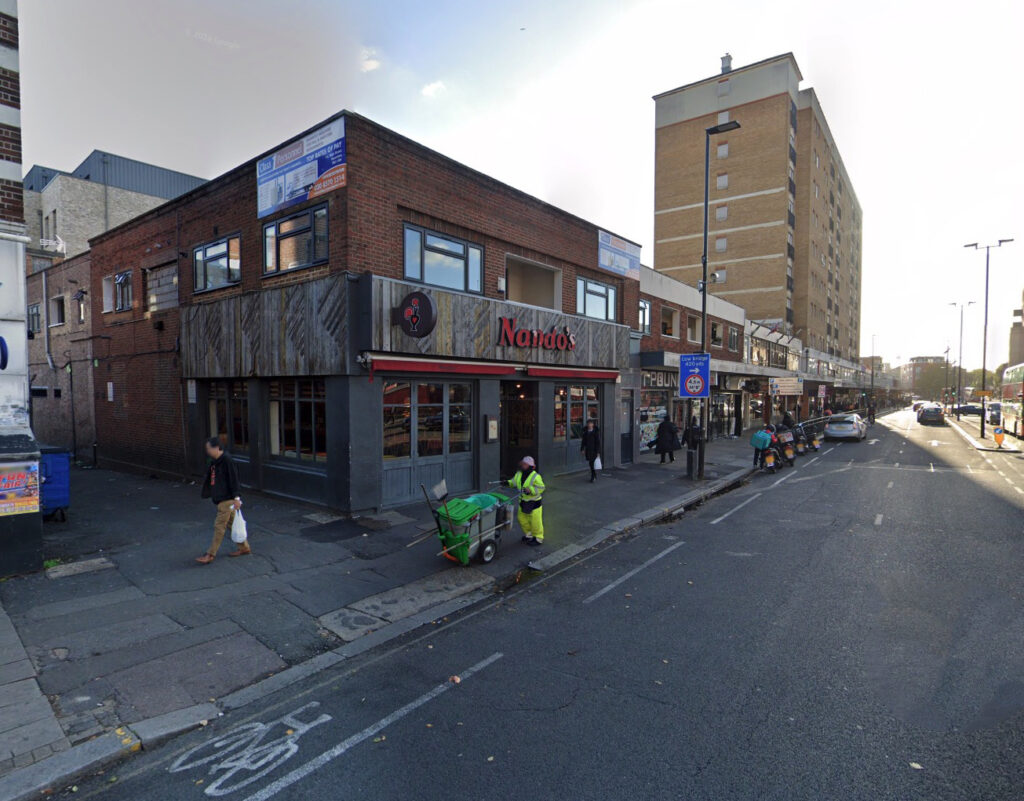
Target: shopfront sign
(657, 379)
(19, 488)
(554, 339)
(694, 375)
(786, 386)
(416, 315)
(303, 170)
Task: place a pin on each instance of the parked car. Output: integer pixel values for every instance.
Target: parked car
(931, 413)
(917, 405)
(968, 408)
(846, 426)
(995, 413)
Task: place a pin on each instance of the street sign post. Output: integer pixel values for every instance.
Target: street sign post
(998, 434)
(694, 375)
(786, 386)
(823, 391)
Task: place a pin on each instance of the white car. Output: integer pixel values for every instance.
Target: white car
(846, 426)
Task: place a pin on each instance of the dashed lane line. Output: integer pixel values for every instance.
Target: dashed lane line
(736, 508)
(878, 520)
(633, 572)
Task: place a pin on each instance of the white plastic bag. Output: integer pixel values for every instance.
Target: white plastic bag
(597, 463)
(238, 530)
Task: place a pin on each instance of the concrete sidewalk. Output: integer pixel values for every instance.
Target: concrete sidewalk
(969, 427)
(129, 634)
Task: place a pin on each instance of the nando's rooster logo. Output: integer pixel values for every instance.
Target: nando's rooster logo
(416, 315)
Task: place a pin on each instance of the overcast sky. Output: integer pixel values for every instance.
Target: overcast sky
(554, 97)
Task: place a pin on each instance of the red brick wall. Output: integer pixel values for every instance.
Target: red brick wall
(10, 88)
(12, 200)
(392, 180)
(657, 342)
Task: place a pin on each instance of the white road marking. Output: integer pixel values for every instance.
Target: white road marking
(779, 481)
(808, 464)
(878, 520)
(1009, 481)
(1019, 490)
(634, 571)
(970, 469)
(1001, 473)
(331, 754)
(826, 453)
(736, 508)
(890, 485)
(896, 465)
(931, 467)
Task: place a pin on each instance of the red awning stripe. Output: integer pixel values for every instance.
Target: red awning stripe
(572, 372)
(416, 366)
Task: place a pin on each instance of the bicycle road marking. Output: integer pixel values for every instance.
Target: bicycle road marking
(633, 572)
(331, 754)
(243, 749)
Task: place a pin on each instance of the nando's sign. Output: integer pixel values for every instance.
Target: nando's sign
(511, 336)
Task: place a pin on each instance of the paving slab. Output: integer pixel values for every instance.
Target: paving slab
(16, 671)
(29, 782)
(350, 624)
(95, 641)
(29, 736)
(419, 595)
(89, 602)
(153, 731)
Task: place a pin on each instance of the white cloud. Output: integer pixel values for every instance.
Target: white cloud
(433, 89)
(368, 60)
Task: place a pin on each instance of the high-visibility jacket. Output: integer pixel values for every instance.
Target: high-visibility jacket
(532, 488)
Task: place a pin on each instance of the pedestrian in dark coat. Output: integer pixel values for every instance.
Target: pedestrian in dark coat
(667, 442)
(590, 447)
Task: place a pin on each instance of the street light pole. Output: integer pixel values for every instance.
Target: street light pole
(984, 335)
(871, 399)
(960, 360)
(708, 133)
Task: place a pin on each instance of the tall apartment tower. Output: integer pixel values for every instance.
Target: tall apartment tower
(784, 221)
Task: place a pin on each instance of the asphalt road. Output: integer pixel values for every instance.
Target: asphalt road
(849, 629)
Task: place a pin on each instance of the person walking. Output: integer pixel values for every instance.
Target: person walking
(667, 441)
(221, 487)
(590, 447)
(531, 512)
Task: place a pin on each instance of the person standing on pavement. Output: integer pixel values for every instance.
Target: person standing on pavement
(590, 447)
(531, 513)
(667, 442)
(221, 487)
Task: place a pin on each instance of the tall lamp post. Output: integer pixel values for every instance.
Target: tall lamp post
(871, 397)
(960, 360)
(714, 130)
(984, 335)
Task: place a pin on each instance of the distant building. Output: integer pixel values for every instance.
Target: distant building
(1017, 335)
(910, 373)
(784, 220)
(64, 209)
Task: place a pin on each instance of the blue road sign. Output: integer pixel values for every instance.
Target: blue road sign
(694, 375)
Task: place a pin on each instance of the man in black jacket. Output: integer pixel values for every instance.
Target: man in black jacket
(221, 486)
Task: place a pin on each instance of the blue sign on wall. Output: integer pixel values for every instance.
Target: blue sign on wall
(303, 170)
(618, 255)
(694, 375)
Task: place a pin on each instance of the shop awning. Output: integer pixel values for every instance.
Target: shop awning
(406, 365)
(572, 372)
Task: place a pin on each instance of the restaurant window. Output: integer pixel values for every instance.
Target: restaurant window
(442, 260)
(229, 414)
(123, 291)
(296, 241)
(441, 414)
(298, 419)
(582, 406)
(594, 299)
(35, 324)
(561, 413)
(217, 264)
(645, 317)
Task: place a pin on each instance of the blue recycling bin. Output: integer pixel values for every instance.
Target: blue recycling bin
(55, 481)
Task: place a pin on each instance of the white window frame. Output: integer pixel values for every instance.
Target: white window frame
(722, 212)
(723, 117)
(123, 291)
(668, 313)
(722, 181)
(644, 317)
(697, 318)
(722, 151)
(588, 288)
(51, 311)
(721, 244)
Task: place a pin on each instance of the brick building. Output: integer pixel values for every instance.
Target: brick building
(784, 221)
(61, 354)
(356, 315)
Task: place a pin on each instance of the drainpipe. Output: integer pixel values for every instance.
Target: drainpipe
(46, 320)
(106, 200)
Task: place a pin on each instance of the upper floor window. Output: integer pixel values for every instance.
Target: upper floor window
(35, 324)
(721, 212)
(123, 291)
(442, 260)
(734, 339)
(645, 317)
(56, 311)
(217, 264)
(595, 300)
(722, 181)
(716, 334)
(669, 322)
(296, 241)
(723, 150)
